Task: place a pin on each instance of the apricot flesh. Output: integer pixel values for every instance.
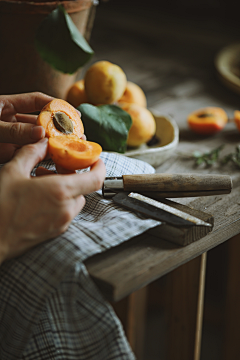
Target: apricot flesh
(208, 120)
(76, 95)
(45, 118)
(105, 83)
(143, 124)
(72, 153)
(133, 94)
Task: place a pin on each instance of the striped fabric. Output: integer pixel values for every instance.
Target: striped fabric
(49, 306)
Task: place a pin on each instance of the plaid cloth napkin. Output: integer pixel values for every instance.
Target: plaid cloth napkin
(49, 306)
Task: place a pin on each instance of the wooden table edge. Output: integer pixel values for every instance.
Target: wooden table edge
(116, 290)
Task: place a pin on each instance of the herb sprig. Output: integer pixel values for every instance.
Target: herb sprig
(232, 157)
(209, 157)
(213, 156)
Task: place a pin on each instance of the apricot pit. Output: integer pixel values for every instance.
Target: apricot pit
(63, 122)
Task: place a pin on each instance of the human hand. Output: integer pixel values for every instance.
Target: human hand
(17, 126)
(35, 209)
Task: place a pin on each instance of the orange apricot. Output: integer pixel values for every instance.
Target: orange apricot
(133, 94)
(50, 115)
(64, 128)
(72, 153)
(104, 82)
(208, 120)
(76, 95)
(143, 124)
(237, 118)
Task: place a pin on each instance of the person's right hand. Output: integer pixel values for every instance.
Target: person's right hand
(35, 209)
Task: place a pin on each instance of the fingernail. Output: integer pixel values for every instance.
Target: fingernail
(37, 132)
(44, 141)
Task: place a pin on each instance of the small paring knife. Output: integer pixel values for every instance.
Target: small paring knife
(158, 210)
(157, 186)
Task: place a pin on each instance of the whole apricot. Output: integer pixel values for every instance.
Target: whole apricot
(76, 95)
(104, 82)
(143, 124)
(133, 94)
(208, 120)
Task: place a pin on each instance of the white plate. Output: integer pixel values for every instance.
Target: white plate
(227, 63)
(168, 133)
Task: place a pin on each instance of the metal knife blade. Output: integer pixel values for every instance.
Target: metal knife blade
(157, 210)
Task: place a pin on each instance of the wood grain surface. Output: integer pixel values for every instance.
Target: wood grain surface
(177, 182)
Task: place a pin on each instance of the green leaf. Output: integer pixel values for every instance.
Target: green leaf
(60, 44)
(108, 125)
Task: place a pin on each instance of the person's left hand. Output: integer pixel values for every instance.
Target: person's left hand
(17, 124)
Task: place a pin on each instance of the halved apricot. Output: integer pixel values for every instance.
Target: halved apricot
(237, 118)
(208, 120)
(59, 111)
(72, 153)
(64, 128)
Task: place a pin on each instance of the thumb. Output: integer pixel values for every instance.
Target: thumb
(20, 133)
(29, 156)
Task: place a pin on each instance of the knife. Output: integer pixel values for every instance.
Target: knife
(157, 210)
(159, 185)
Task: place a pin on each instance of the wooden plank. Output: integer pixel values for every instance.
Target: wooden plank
(183, 236)
(231, 348)
(178, 234)
(185, 309)
(132, 313)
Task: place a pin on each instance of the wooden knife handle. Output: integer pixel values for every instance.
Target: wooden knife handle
(177, 183)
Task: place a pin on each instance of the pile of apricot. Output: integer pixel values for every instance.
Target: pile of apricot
(106, 83)
(64, 128)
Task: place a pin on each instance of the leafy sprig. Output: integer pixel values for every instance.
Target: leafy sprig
(213, 156)
(233, 157)
(209, 157)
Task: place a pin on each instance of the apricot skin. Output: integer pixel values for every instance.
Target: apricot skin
(208, 120)
(237, 119)
(105, 83)
(143, 124)
(76, 95)
(72, 153)
(133, 94)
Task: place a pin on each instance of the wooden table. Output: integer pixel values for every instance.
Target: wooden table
(171, 58)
